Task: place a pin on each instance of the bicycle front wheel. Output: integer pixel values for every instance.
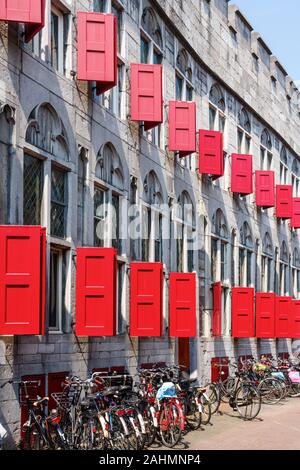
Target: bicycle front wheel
(214, 397)
(248, 401)
(170, 423)
(270, 390)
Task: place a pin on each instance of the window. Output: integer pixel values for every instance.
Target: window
(151, 52)
(217, 122)
(244, 132)
(267, 264)
(121, 300)
(59, 40)
(295, 178)
(266, 156)
(184, 232)
(219, 248)
(81, 190)
(152, 219)
(245, 257)
(284, 270)
(183, 77)
(56, 291)
(58, 202)
(32, 190)
(283, 166)
(296, 274)
(108, 190)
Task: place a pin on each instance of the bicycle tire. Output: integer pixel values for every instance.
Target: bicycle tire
(193, 415)
(206, 410)
(245, 397)
(271, 390)
(170, 429)
(213, 396)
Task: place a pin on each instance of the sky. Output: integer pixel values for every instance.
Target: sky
(278, 22)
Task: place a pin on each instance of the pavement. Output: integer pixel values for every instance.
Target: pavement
(277, 427)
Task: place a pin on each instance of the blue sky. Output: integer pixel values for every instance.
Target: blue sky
(278, 22)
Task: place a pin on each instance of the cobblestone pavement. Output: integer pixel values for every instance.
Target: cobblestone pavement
(277, 427)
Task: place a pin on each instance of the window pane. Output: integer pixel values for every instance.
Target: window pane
(116, 242)
(179, 247)
(54, 40)
(248, 144)
(100, 6)
(249, 268)
(269, 288)
(214, 253)
(223, 261)
(241, 266)
(32, 180)
(240, 141)
(221, 123)
(189, 93)
(58, 204)
(144, 51)
(158, 238)
(99, 217)
(157, 57)
(121, 275)
(118, 13)
(178, 90)
(54, 292)
(146, 233)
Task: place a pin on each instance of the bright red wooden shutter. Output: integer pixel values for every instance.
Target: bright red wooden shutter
(265, 188)
(265, 315)
(97, 49)
(30, 12)
(22, 283)
(146, 299)
(241, 174)
(217, 309)
(182, 305)
(295, 324)
(242, 312)
(211, 157)
(295, 221)
(96, 292)
(146, 94)
(182, 127)
(284, 200)
(282, 317)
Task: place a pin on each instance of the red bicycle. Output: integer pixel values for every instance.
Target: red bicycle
(171, 421)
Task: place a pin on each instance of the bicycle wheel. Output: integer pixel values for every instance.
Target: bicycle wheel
(213, 395)
(206, 409)
(170, 423)
(294, 390)
(247, 401)
(270, 390)
(118, 433)
(227, 389)
(34, 440)
(151, 429)
(193, 412)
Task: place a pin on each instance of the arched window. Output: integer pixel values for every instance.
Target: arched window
(216, 109)
(295, 177)
(244, 132)
(152, 219)
(296, 273)
(185, 231)
(7, 129)
(183, 77)
(284, 270)
(266, 263)
(283, 166)
(246, 256)
(151, 26)
(108, 188)
(266, 156)
(219, 248)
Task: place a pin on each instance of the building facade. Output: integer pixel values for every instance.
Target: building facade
(73, 162)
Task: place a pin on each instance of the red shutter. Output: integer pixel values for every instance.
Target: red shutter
(216, 368)
(182, 127)
(265, 315)
(295, 326)
(56, 383)
(146, 94)
(242, 312)
(282, 320)
(295, 222)
(217, 309)
(30, 12)
(284, 199)
(211, 158)
(96, 292)
(265, 188)
(146, 299)
(241, 174)
(97, 49)
(22, 280)
(182, 305)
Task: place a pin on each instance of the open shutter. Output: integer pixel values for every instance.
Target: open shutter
(282, 320)
(211, 158)
(265, 188)
(182, 127)
(295, 222)
(30, 12)
(96, 292)
(146, 94)
(265, 315)
(295, 324)
(146, 299)
(22, 280)
(97, 49)
(182, 305)
(241, 174)
(284, 201)
(242, 312)
(217, 309)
